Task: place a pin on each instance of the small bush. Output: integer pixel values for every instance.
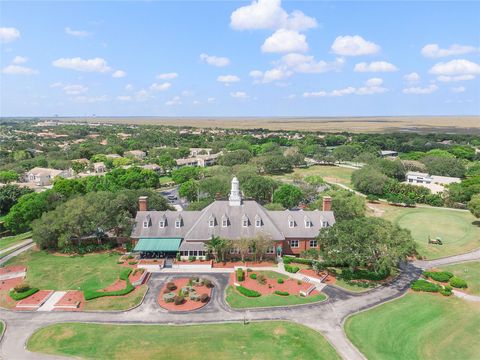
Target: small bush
(171, 286)
(17, 296)
(424, 285)
(132, 262)
(204, 298)
(253, 276)
(262, 280)
(178, 300)
(291, 269)
(119, 262)
(458, 283)
(208, 283)
(249, 270)
(280, 281)
(22, 287)
(446, 291)
(240, 274)
(248, 292)
(129, 257)
(281, 293)
(440, 276)
(92, 294)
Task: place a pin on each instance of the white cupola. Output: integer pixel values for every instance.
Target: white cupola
(235, 198)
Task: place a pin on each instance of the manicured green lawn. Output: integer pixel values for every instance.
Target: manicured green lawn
(418, 326)
(456, 228)
(333, 174)
(263, 340)
(165, 180)
(117, 302)
(8, 241)
(470, 272)
(55, 272)
(239, 301)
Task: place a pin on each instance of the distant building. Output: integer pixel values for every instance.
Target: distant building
(433, 182)
(137, 154)
(153, 167)
(388, 153)
(200, 151)
(44, 176)
(199, 160)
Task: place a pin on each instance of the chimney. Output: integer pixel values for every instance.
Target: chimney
(143, 203)
(327, 203)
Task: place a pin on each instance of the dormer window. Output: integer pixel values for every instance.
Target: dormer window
(308, 223)
(211, 221)
(161, 224)
(258, 221)
(244, 221)
(291, 222)
(146, 222)
(324, 224)
(178, 223)
(224, 221)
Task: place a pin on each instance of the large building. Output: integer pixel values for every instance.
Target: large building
(187, 232)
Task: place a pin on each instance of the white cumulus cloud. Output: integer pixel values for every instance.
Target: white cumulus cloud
(74, 89)
(283, 40)
(455, 67)
(84, 65)
(19, 60)
(458, 89)
(167, 76)
(19, 70)
(174, 101)
(160, 87)
(228, 79)
(446, 78)
(119, 74)
(239, 94)
(8, 34)
(218, 61)
(76, 33)
(434, 50)
(372, 86)
(269, 14)
(375, 66)
(354, 46)
(412, 78)
(307, 64)
(421, 90)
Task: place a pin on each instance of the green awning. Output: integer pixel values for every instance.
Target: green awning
(158, 244)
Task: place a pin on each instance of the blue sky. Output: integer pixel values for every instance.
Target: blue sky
(232, 58)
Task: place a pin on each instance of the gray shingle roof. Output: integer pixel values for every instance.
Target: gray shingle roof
(195, 224)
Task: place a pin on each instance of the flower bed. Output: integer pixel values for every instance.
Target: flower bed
(185, 294)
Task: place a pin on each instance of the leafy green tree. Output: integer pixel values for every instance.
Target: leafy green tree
(346, 152)
(69, 187)
(259, 188)
(217, 247)
(183, 174)
(78, 166)
(366, 242)
(444, 166)
(463, 152)
(8, 176)
(9, 195)
(288, 195)
(346, 205)
(274, 207)
(30, 207)
(189, 190)
(213, 187)
(474, 205)
(166, 162)
(369, 180)
(393, 169)
(236, 157)
(275, 164)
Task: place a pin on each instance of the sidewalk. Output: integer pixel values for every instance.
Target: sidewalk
(16, 246)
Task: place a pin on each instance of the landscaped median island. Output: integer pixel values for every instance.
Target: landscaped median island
(250, 289)
(96, 281)
(470, 272)
(442, 282)
(185, 294)
(257, 340)
(418, 326)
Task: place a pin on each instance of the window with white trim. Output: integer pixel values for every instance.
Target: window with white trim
(291, 224)
(245, 222)
(258, 222)
(308, 224)
(145, 224)
(211, 223)
(324, 224)
(294, 243)
(178, 223)
(224, 223)
(313, 243)
(234, 251)
(161, 224)
(271, 250)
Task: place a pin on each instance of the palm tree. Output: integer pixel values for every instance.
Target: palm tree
(217, 246)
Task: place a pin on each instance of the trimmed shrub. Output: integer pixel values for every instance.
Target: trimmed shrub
(125, 274)
(440, 276)
(280, 281)
(93, 294)
(249, 270)
(137, 271)
(204, 298)
(362, 274)
(17, 296)
(291, 269)
(458, 283)
(253, 276)
(446, 291)
(281, 293)
(132, 262)
(194, 296)
(178, 300)
(171, 286)
(240, 274)
(291, 259)
(248, 292)
(168, 297)
(22, 287)
(424, 285)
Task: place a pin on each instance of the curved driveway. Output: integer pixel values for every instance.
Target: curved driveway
(326, 317)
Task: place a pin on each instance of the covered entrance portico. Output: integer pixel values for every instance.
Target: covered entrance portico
(157, 248)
